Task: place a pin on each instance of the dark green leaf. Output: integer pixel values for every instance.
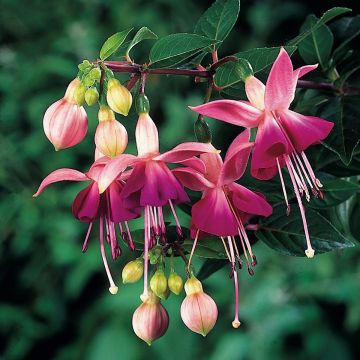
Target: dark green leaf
(285, 234)
(346, 29)
(218, 20)
(345, 113)
(210, 248)
(176, 45)
(318, 45)
(327, 16)
(143, 34)
(232, 73)
(335, 192)
(209, 267)
(113, 43)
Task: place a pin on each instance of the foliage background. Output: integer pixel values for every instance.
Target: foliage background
(54, 302)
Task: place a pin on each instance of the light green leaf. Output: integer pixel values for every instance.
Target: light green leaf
(143, 34)
(218, 19)
(113, 43)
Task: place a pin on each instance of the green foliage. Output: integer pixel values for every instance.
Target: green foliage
(113, 43)
(143, 34)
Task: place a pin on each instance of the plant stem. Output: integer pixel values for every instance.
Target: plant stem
(346, 90)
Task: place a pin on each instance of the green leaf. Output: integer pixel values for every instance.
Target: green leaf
(143, 34)
(232, 73)
(113, 43)
(218, 19)
(209, 267)
(285, 234)
(344, 111)
(346, 29)
(316, 47)
(210, 248)
(335, 191)
(179, 46)
(327, 16)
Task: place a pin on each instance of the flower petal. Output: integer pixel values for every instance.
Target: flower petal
(113, 169)
(304, 130)
(248, 201)
(185, 151)
(213, 215)
(192, 179)
(255, 92)
(240, 113)
(61, 175)
(236, 158)
(303, 70)
(86, 204)
(195, 163)
(279, 92)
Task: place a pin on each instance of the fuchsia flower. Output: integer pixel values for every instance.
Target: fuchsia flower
(282, 134)
(89, 206)
(151, 185)
(225, 205)
(65, 122)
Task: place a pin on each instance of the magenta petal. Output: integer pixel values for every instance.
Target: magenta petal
(118, 212)
(61, 175)
(213, 215)
(304, 130)
(86, 204)
(303, 70)
(264, 173)
(194, 163)
(279, 92)
(240, 113)
(192, 179)
(270, 143)
(185, 151)
(236, 158)
(248, 201)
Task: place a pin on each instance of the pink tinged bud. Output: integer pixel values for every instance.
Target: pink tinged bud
(111, 138)
(150, 320)
(118, 97)
(146, 134)
(65, 123)
(198, 310)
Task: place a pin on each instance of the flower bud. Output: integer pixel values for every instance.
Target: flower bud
(175, 283)
(198, 310)
(91, 96)
(150, 320)
(110, 137)
(95, 74)
(132, 271)
(79, 94)
(88, 80)
(146, 134)
(158, 284)
(65, 123)
(118, 97)
(84, 65)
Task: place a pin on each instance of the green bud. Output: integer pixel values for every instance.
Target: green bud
(243, 68)
(79, 94)
(84, 65)
(142, 104)
(91, 96)
(95, 74)
(132, 271)
(88, 81)
(202, 131)
(175, 283)
(158, 284)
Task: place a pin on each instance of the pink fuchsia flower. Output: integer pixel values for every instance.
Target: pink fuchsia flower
(151, 185)
(90, 206)
(65, 122)
(225, 205)
(282, 134)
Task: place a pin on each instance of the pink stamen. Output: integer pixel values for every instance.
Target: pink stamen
(302, 180)
(193, 249)
(178, 226)
(131, 242)
(225, 247)
(251, 272)
(298, 160)
(299, 184)
(236, 250)
(283, 187)
(145, 294)
(316, 181)
(85, 244)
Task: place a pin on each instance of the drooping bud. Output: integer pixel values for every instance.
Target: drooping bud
(111, 137)
(91, 96)
(132, 271)
(65, 123)
(198, 310)
(158, 284)
(79, 94)
(147, 137)
(95, 74)
(175, 283)
(150, 320)
(118, 97)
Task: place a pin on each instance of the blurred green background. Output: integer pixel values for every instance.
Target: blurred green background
(54, 302)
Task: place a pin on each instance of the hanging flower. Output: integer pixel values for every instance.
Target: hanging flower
(90, 206)
(225, 205)
(65, 122)
(282, 134)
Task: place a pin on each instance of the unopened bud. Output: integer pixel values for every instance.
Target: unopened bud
(132, 271)
(158, 284)
(118, 97)
(150, 320)
(84, 65)
(95, 74)
(198, 310)
(175, 283)
(79, 94)
(91, 96)
(88, 81)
